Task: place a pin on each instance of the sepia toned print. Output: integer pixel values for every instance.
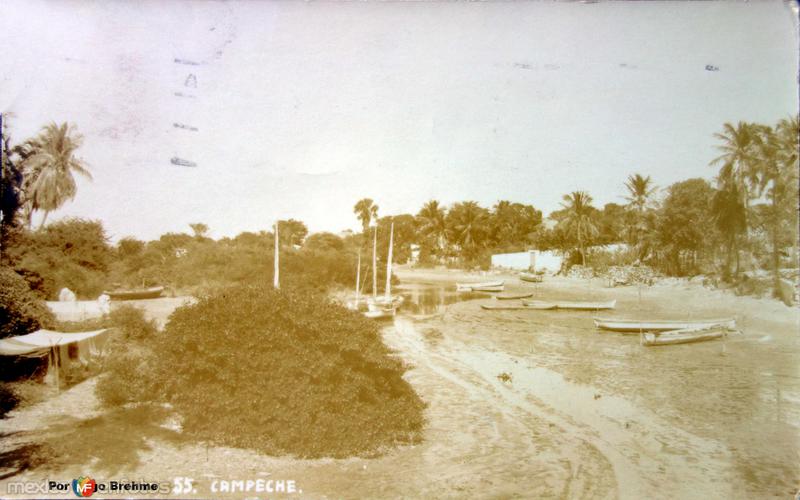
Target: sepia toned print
(399, 250)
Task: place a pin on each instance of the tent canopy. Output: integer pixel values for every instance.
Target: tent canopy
(41, 341)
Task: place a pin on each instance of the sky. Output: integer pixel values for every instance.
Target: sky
(303, 108)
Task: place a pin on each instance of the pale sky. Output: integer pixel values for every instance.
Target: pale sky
(304, 108)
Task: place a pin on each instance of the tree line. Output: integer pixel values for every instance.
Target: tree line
(745, 219)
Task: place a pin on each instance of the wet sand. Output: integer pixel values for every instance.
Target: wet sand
(584, 414)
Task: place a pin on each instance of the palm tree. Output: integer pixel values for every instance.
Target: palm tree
(728, 213)
(777, 177)
(432, 223)
(48, 165)
(468, 223)
(366, 211)
(740, 156)
(640, 190)
(578, 221)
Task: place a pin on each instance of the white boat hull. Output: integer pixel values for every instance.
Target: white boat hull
(490, 286)
(581, 306)
(637, 326)
(684, 336)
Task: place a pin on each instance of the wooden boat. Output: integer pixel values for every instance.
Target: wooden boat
(583, 306)
(511, 307)
(684, 336)
(381, 313)
(136, 294)
(636, 325)
(513, 296)
(530, 277)
(487, 286)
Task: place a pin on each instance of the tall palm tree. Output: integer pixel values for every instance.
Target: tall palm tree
(778, 176)
(728, 213)
(49, 163)
(640, 190)
(432, 223)
(366, 211)
(578, 221)
(468, 223)
(740, 147)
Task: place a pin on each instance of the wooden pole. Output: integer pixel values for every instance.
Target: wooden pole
(358, 278)
(375, 263)
(388, 294)
(276, 279)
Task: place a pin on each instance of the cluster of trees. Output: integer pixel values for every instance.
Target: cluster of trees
(746, 218)
(689, 227)
(37, 176)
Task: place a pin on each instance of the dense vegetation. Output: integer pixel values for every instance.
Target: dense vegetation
(21, 311)
(273, 370)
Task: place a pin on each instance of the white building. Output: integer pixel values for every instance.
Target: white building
(535, 260)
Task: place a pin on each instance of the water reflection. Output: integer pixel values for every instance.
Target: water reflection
(431, 299)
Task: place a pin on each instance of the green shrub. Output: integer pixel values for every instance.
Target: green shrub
(21, 311)
(126, 362)
(276, 371)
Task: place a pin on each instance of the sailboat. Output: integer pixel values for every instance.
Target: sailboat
(388, 298)
(355, 304)
(384, 307)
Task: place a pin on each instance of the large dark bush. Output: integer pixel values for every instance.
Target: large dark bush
(71, 253)
(279, 372)
(21, 311)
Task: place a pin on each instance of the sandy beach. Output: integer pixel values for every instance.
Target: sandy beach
(581, 414)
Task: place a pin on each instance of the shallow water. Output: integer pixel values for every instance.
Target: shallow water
(725, 409)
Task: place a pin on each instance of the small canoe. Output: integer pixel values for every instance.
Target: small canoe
(636, 325)
(394, 300)
(684, 336)
(491, 307)
(487, 286)
(380, 313)
(513, 296)
(136, 294)
(530, 277)
(583, 306)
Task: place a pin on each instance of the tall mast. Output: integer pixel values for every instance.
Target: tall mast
(375, 263)
(389, 266)
(276, 281)
(358, 277)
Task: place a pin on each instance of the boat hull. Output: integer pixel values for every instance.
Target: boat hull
(580, 306)
(491, 286)
(149, 293)
(684, 336)
(513, 296)
(510, 307)
(637, 326)
(530, 278)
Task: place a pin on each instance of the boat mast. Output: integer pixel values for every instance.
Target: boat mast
(358, 277)
(375, 263)
(389, 266)
(276, 280)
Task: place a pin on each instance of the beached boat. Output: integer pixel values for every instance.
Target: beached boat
(486, 286)
(513, 296)
(381, 313)
(136, 294)
(513, 307)
(637, 325)
(684, 336)
(530, 277)
(584, 306)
